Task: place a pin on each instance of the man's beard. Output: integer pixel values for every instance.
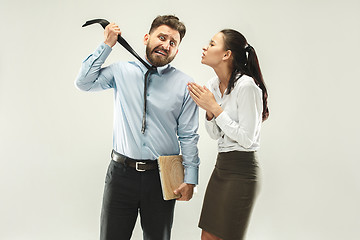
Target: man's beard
(155, 60)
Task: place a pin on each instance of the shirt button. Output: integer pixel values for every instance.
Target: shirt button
(148, 94)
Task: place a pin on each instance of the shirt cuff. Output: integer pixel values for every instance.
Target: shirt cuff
(191, 175)
(223, 120)
(103, 51)
(209, 123)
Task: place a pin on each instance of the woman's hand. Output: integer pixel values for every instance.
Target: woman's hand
(205, 99)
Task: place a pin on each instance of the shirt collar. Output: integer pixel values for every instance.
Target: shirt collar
(216, 85)
(160, 70)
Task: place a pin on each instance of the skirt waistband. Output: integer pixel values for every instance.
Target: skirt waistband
(236, 160)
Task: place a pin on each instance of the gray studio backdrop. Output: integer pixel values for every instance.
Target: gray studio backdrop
(55, 141)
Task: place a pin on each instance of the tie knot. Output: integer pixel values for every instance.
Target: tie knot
(153, 69)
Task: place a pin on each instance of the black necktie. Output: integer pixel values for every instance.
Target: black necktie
(151, 69)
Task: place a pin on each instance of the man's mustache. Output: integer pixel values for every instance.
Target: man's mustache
(161, 49)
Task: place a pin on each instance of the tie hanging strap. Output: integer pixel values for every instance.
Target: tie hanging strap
(151, 69)
(120, 39)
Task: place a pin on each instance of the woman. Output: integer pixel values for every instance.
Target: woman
(235, 102)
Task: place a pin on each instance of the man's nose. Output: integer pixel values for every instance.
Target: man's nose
(166, 45)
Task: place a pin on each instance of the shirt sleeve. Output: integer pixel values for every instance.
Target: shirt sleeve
(249, 108)
(212, 128)
(188, 124)
(91, 76)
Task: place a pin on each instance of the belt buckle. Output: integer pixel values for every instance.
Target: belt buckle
(137, 166)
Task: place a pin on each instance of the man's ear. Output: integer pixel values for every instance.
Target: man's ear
(146, 38)
(227, 55)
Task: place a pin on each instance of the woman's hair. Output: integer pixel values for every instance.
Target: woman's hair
(244, 61)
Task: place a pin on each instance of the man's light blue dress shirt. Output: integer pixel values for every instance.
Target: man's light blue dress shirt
(171, 117)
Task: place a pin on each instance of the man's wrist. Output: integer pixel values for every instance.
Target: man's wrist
(108, 44)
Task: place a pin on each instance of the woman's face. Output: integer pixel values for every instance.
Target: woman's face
(214, 53)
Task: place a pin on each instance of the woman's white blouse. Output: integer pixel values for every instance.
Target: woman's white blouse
(237, 128)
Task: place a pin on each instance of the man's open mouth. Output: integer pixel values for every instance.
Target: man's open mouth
(160, 52)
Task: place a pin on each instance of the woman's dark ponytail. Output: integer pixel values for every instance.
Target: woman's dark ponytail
(255, 72)
(245, 61)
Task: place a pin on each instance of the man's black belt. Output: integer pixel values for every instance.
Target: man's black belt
(139, 165)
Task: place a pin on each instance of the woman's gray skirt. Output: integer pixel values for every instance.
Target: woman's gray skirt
(230, 195)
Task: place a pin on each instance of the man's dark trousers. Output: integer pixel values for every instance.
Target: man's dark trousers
(129, 192)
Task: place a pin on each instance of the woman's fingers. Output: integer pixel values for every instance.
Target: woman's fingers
(195, 89)
(196, 99)
(192, 90)
(206, 89)
(193, 96)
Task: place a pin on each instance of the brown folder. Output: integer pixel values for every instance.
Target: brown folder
(171, 175)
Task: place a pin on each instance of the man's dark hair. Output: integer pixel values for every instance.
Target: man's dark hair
(171, 21)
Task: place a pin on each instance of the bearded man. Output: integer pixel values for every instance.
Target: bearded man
(152, 120)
